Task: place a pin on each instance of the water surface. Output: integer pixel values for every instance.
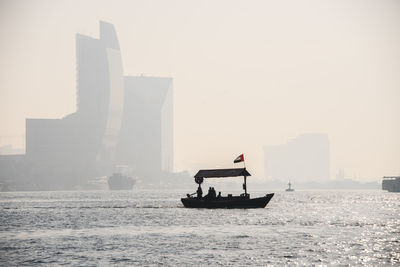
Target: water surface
(152, 228)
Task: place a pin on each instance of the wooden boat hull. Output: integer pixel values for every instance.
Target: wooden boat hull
(239, 202)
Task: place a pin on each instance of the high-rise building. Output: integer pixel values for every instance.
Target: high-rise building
(303, 159)
(146, 140)
(119, 120)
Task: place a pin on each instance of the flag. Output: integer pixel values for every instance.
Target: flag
(239, 159)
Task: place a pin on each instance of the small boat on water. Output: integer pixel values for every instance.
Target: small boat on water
(290, 189)
(391, 183)
(117, 181)
(212, 201)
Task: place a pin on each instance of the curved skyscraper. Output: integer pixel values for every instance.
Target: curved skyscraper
(101, 89)
(116, 92)
(119, 120)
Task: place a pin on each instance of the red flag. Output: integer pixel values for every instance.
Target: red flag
(239, 159)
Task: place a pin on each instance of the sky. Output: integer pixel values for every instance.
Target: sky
(246, 74)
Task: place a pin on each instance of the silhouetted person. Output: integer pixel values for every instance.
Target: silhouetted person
(199, 192)
(208, 194)
(219, 194)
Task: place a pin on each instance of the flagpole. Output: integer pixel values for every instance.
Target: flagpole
(244, 184)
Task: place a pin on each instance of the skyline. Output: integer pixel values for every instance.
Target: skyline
(120, 121)
(305, 158)
(325, 69)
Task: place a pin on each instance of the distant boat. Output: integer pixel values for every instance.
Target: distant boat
(214, 201)
(117, 181)
(290, 189)
(391, 183)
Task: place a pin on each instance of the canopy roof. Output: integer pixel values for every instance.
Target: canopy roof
(222, 173)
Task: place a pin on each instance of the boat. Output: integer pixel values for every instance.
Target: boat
(212, 201)
(391, 183)
(117, 181)
(290, 189)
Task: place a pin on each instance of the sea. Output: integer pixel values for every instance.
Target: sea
(152, 228)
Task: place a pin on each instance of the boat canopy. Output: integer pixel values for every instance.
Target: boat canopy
(222, 173)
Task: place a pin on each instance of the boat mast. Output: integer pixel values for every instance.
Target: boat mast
(245, 186)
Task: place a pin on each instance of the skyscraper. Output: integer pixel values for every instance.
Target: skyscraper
(119, 120)
(303, 159)
(146, 140)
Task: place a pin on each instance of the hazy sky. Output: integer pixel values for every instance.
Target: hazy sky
(246, 73)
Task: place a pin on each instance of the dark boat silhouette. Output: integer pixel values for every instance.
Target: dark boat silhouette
(391, 183)
(290, 189)
(117, 181)
(212, 201)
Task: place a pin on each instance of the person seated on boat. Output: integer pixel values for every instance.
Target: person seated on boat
(191, 195)
(209, 193)
(219, 194)
(199, 192)
(213, 193)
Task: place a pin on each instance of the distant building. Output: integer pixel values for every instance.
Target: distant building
(146, 140)
(119, 120)
(303, 159)
(10, 150)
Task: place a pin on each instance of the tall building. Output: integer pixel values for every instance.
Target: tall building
(303, 159)
(146, 140)
(119, 120)
(69, 147)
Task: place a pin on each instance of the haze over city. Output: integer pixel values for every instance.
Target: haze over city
(199, 133)
(246, 74)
